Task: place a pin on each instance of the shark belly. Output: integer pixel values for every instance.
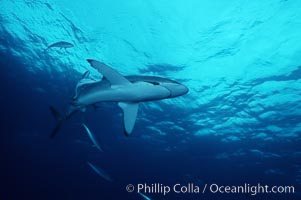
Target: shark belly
(137, 92)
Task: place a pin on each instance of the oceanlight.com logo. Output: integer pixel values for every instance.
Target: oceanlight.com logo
(252, 189)
(191, 188)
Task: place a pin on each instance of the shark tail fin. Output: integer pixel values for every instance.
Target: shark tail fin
(55, 113)
(59, 121)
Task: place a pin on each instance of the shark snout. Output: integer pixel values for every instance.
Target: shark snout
(175, 89)
(185, 89)
(182, 89)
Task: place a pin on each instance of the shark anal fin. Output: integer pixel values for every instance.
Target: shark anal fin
(130, 111)
(113, 76)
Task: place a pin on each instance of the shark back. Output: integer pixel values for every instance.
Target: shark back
(93, 86)
(150, 79)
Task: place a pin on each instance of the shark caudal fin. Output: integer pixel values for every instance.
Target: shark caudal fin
(59, 121)
(55, 113)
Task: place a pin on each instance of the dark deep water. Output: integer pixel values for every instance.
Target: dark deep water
(37, 167)
(239, 124)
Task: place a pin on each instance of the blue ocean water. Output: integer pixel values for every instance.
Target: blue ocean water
(239, 124)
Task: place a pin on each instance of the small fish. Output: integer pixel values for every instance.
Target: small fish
(91, 136)
(60, 45)
(144, 196)
(100, 172)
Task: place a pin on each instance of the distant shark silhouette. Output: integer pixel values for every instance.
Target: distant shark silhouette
(144, 196)
(61, 45)
(92, 138)
(128, 91)
(100, 172)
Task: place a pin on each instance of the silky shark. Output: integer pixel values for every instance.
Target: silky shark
(61, 45)
(100, 172)
(128, 91)
(92, 138)
(144, 196)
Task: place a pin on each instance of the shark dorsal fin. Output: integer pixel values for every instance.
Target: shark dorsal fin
(110, 74)
(130, 110)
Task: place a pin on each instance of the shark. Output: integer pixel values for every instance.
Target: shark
(100, 172)
(127, 91)
(92, 138)
(144, 196)
(61, 45)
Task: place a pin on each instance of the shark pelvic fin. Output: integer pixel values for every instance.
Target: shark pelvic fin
(110, 74)
(130, 111)
(85, 74)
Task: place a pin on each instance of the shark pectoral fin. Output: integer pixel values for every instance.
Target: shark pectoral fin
(130, 111)
(113, 76)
